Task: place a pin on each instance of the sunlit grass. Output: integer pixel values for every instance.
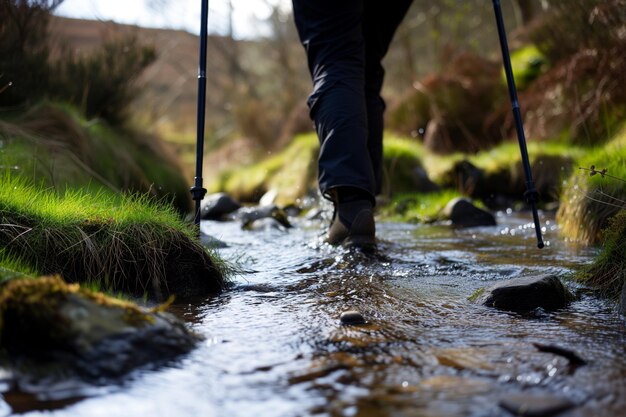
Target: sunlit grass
(121, 242)
(588, 201)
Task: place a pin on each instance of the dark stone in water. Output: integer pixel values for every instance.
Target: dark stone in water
(535, 405)
(526, 294)
(351, 317)
(212, 242)
(216, 206)
(463, 213)
(249, 216)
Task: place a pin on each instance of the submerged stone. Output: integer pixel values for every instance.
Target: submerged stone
(526, 294)
(48, 326)
(216, 206)
(463, 213)
(535, 405)
(351, 318)
(251, 215)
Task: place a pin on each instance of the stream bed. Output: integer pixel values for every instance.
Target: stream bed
(274, 345)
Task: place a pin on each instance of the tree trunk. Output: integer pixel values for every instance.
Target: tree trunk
(527, 8)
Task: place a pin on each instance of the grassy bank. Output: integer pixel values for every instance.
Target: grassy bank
(122, 243)
(55, 146)
(591, 198)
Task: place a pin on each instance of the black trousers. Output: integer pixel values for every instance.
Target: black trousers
(345, 41)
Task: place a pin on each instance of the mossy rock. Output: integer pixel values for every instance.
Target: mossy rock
(403, 170)
(47, 325)
(590, 198)
(291, 172)
(499, 171)
(418, 207)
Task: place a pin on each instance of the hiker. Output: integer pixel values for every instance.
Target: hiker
(345, 41)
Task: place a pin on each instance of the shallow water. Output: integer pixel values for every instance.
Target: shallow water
(274, 345)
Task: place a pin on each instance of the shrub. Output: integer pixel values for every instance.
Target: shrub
(24, 71)
(450, 109)
(583, 92)
(102, 84)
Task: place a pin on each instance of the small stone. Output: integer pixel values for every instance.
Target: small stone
(526, 294)
(351, 318)
(248, 216)
(463, 213)
(535, 405)
(216, 206)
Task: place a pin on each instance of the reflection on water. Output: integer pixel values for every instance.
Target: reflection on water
(274, 345)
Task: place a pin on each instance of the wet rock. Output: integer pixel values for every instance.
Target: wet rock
(267, 223)
(269, 198)
(216, 206)
(292, 210)
(526, 294)
(465, 358)
(315, 214)
(50, 327)
(248, 216)
(573, 357)
(463, 213)
(466, 177)
(535, 405)
(212, 242)
(351, 318)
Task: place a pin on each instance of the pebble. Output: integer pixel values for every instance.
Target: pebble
(351, 317)
(535, 405)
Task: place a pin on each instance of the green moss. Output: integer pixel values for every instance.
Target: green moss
(528, 63)
(418, 207)
(126, 243)
(476, 294)
(403, 166)
(588, 201)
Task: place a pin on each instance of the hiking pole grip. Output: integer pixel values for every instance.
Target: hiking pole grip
(197, 191)
(531, 195)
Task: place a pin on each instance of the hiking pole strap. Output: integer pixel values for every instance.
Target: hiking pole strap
(197, 191)
(531, 195)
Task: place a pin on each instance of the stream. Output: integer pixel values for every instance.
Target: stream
(274, 345)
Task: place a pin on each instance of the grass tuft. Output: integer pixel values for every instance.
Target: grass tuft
(590, 199)
(127, 243)
(607, 273)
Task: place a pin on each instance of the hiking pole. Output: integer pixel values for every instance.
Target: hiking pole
(531, 195)
(197, 191)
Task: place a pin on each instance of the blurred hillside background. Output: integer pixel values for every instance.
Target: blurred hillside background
(257, 87)
(444, 85)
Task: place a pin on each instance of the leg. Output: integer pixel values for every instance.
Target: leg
(380, 23)
(332, 34)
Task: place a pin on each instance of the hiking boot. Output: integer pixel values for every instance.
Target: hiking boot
(353, 225)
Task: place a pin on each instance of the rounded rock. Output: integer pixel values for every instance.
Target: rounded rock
(351, 318)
